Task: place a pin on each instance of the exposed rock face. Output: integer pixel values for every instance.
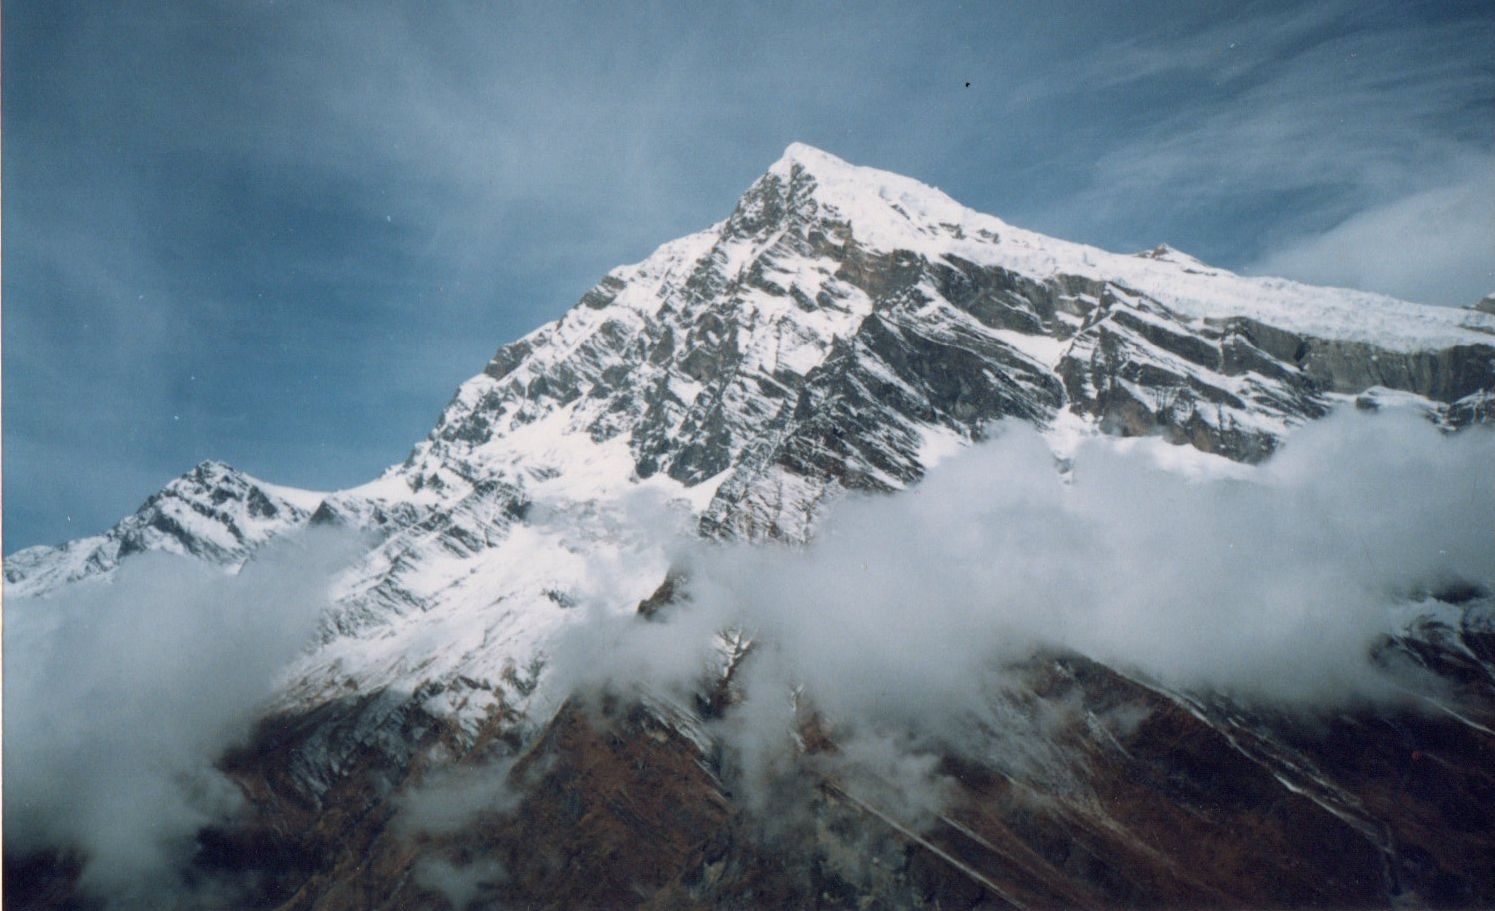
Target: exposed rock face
(841, 330)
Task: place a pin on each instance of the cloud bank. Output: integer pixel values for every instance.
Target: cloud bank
(1271, 584)
(1435, 244)
(120, 697)
(898, 625)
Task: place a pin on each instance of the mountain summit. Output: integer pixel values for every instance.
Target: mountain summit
(842, 330)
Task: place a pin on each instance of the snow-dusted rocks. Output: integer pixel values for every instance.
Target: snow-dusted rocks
(213, 513)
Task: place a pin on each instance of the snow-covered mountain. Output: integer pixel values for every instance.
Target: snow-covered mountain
(843, 329)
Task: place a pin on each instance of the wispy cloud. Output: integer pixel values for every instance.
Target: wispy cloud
(1290, 123)
(1435, 245)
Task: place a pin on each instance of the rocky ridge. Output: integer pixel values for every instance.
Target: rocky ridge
(213, 513)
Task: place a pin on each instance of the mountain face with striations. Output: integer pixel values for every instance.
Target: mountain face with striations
(842, 331)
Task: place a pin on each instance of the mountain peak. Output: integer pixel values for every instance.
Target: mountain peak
(883, 209)
(218, 478)
(211, 469)
(810, 158)
(839, 180)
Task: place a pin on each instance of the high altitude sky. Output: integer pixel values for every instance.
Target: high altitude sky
(280, 234)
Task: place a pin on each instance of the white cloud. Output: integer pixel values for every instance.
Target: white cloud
(459, 884)
(897, 620)
(1272, 127)
(120, 697)
(452, 799)
(1435, 246)
(1270, 583)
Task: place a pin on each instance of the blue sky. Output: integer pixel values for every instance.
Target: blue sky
(280, 234)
